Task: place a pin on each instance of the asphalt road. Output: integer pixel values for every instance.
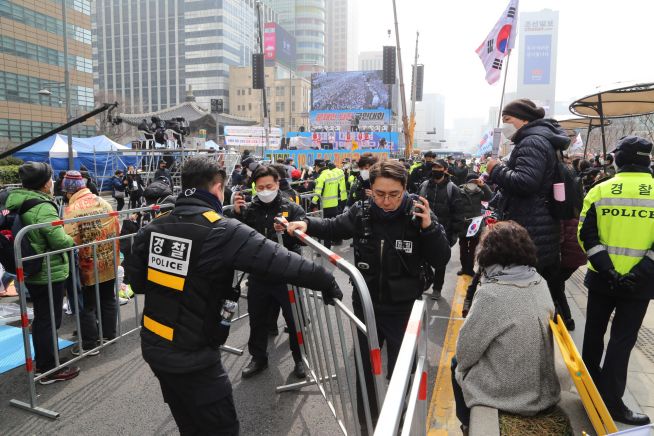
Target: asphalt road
(117, 394)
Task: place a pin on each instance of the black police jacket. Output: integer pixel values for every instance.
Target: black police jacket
(260, 216)
(393, 257)
(448, 208)
(358, 190)
(227, 246)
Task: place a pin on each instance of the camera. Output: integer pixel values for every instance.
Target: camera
(158, 127)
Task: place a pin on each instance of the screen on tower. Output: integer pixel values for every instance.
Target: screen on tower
(348, 90)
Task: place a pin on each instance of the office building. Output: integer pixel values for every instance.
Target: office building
(538, 35)
(305, 20)
(32, 46)
(148, 53)
(371, 60)
(341, 37)
(288, 97)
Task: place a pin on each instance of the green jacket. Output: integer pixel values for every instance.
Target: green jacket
(44, 239)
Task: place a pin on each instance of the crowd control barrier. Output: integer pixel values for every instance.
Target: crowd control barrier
(597, 412)
(333, 365)
(413, 354)
(73, 284)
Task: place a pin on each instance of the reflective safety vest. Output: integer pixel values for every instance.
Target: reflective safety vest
(327, 189)
(342, 187)
(182, 303)
(624, 207)
(415, 166)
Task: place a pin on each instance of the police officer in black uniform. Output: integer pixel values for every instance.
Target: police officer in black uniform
(265, 296)
(184, 262)
(395, 240)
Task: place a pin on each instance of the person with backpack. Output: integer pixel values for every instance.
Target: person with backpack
(446, 202)
(90, 181)
(473, 192)
(117, 189)
(134, 186)
(33, 205)
(526, 182)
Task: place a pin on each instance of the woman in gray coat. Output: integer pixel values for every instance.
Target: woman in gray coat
(505, 355)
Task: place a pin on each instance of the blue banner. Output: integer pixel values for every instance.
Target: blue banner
(344, 140)
(538, 57)
(307, 157)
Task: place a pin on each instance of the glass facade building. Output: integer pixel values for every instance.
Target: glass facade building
(32, 60)
(148, 53)
(306, 20)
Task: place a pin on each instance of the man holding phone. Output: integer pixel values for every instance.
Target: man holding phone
(396, 238)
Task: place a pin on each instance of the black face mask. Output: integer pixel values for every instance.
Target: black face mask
(437, 175)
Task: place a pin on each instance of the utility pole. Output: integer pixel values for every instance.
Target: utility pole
(414, 88)
(408, 145)
(266, 120)
(71, 161)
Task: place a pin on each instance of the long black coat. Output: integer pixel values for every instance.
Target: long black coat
(526, 184)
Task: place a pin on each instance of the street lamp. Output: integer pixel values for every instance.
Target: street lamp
(47, 93)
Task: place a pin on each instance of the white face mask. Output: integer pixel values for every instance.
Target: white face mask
(365, 174)
(267, 196)
(248, 172)
(508, 130)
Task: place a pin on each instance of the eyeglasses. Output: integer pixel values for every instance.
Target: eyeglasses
(384, 196)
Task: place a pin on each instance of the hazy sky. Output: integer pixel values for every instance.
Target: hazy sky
(600, 42)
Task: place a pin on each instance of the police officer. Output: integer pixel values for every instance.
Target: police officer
(360, 188)
(342, 185)
(184, 262)
(616, 230)
(327, 191)
(395, 240)
(266, 296)
(421, 171)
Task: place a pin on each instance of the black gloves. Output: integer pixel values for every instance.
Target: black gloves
(333, 293)
(628, 281)
(612, 278)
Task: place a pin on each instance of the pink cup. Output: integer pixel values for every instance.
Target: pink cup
(559, 192)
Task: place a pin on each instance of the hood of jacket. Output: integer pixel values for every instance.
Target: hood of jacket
(547, 128)
(18, 196)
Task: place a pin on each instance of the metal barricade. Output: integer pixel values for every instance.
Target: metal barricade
(32, 378)
(333, 365)
(412, 359)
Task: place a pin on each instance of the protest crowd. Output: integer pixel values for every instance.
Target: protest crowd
(517, 240)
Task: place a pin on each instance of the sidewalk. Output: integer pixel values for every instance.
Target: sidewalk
(640, 381)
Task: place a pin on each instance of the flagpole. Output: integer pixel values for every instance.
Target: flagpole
(506, 73)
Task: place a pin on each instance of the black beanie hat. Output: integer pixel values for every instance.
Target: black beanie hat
(632, 150)
(34, 175)
(524, 109)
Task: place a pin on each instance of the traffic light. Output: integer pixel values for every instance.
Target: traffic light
(420, 79)
(217, 105)
(257, 71)
(389, 65)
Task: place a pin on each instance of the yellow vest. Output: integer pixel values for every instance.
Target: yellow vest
(624, 206)
(327, 187)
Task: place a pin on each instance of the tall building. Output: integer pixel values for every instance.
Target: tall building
(288, 97)
(371, 60)
(32, 60)
(341, 38)
(537, 59)
(139, 53)
(304, 19)
(148, 53)
(430, 116)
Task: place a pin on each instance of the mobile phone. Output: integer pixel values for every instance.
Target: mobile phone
(415, 198)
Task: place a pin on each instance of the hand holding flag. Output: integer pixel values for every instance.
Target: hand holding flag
(499, 42)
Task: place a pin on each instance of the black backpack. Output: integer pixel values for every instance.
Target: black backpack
(157, 190)
(10, 224)
(574, 192)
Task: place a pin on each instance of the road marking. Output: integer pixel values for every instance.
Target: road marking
(441, 419)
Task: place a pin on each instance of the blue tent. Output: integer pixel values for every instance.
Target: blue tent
(99, 154)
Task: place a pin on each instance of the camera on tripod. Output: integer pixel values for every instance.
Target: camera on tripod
(174, 129)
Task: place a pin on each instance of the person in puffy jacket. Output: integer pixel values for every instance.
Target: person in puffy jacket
(526, 180)
(36, 178)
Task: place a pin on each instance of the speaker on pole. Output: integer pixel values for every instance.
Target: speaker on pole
(389, 65)
(257, 71)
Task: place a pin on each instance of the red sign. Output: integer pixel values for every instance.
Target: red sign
(269, 41)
